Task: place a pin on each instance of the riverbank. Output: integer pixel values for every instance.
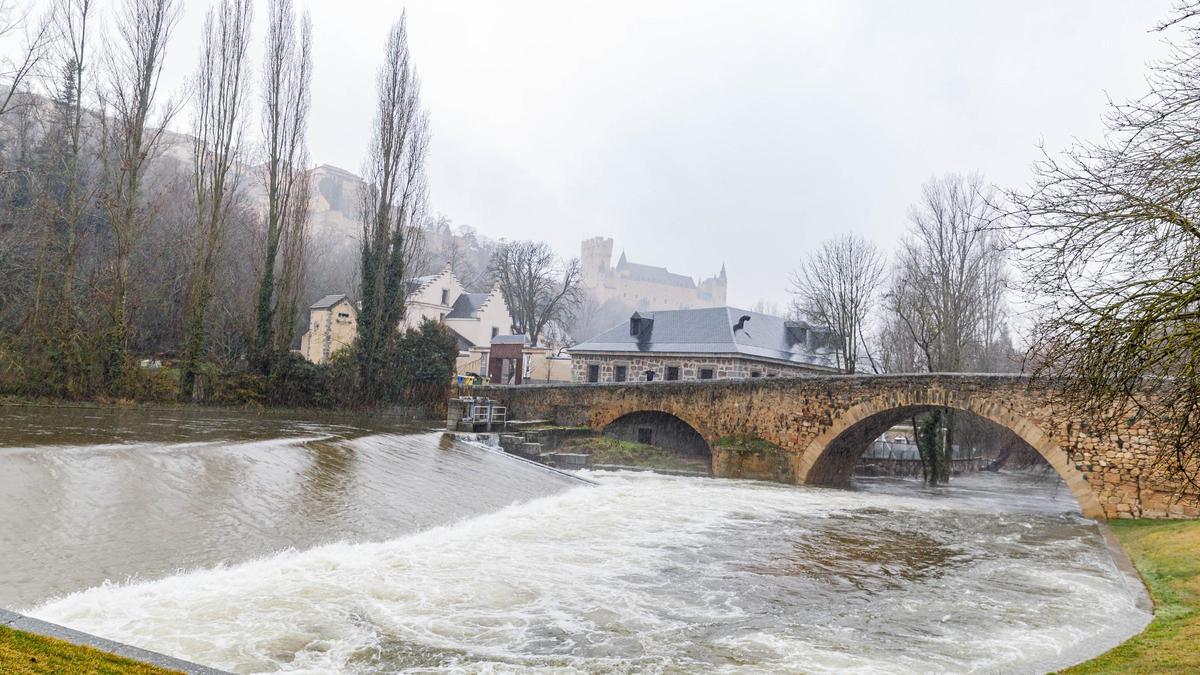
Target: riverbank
(1167, 555)
(25, 653)
(416, 413)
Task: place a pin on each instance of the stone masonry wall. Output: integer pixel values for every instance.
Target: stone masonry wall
(1111, 475)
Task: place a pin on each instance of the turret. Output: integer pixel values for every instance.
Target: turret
(596, 260)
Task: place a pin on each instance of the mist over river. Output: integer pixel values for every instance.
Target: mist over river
(260, 543)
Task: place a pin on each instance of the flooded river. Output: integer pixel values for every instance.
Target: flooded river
(263, 544)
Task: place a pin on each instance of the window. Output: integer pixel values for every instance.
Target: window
(593, 373)
(645, 435)
(620, 373)
(649, 375)
(755, 373)
(343, 315)
(706, 373)
(672, 372)
(445, 296)
(495, 331)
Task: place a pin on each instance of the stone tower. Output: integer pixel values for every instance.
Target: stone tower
(716, 287)
(596, 260)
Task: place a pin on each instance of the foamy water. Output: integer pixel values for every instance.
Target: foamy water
(654, 573)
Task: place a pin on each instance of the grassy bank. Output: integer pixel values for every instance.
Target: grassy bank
(25, 653)
(605, 450)
(1167, 554)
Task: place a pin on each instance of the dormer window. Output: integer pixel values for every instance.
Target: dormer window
(445, 296)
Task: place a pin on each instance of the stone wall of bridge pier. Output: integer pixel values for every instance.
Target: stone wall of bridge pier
(823, 423)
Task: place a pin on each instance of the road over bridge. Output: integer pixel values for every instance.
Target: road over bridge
(822, 424)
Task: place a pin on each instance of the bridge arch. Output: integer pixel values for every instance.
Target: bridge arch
(663, 430)
(829, 457)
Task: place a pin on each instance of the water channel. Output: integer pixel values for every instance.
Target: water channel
(266, 543)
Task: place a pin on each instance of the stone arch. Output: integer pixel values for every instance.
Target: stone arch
(861, 423)
(664, 421)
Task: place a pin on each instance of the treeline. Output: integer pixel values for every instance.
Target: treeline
(140, 263)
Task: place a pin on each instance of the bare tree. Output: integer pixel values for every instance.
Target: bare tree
(539, 288)
(941, 308)
(219, 91)
(1110, 243)
(837, 287)
(134, 63)
(287, 74)
(37, 38)
(393, 206)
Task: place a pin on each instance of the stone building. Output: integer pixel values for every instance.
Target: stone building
(644, 286)
(332, 324)
(717, 343)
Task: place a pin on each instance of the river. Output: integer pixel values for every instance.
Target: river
(263, 543)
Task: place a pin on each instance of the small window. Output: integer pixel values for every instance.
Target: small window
(620, 373)
(755, 373)
(649, 375)
(343, 315)
(593, 373)
(445, 296)
(706, 373)
(495, 331)
(645, 435)
(672, 372)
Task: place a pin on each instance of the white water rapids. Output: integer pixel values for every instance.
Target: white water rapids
(642, 573)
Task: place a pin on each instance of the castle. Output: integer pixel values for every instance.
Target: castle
(644, 286)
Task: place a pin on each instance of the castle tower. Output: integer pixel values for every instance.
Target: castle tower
(596, 260)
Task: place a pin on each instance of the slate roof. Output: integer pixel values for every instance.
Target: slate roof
(710, 331)
(328, 301)
(467, 306)
(510, 340)
(463, 343)
(416, 283)
(651, 274)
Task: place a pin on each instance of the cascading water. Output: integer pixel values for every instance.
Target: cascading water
(453, 557)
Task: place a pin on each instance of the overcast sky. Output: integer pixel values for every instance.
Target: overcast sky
(701, 132)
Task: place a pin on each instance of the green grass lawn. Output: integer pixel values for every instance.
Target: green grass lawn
(1167, 554)
(25, 653)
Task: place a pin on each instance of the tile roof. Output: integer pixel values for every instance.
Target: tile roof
(711, 331)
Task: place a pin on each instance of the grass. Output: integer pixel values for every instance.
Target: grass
(25, 654)
(605, 450)
(1167, 554)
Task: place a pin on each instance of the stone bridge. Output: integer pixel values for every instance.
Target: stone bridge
(822, 424)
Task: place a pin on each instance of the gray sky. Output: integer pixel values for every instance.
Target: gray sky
(697, 132)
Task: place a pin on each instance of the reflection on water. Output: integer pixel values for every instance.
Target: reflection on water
(448, 557)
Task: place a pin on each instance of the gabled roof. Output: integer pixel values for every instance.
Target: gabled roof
(467, 306)
(651, 274)
(711, 331)
(328, 301)
(463, 343)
